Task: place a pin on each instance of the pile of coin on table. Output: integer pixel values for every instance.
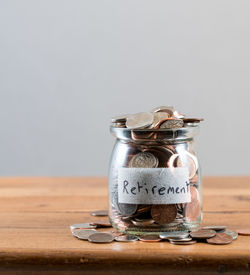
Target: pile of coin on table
(139, 217)
(218, 235)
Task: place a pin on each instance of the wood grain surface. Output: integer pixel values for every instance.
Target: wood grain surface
(35, 238)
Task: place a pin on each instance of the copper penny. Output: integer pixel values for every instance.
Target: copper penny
(150, 238)
(220, 238)
(243, 232)
(202, 234)
(192, 120)
(100, 213)
(192, 210)
(163, 213)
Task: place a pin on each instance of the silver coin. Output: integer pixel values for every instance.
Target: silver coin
(101, 237)
(180, 239)
(180, 235)
(126, 238)
(231, 233)
(100, 213)
(172, 123)
(139, 120)
(121, 118)
(215, 227)
(144, 160)
(127, 209)
(159, 118)
(83, 234)
(82, 226)
(167, 109)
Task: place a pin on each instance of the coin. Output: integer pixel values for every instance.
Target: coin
(101, 224)
(215, 227)
(127, 209)
(101, 237)
(176, 114)
(126, 238)
(161, 153)
(82, 226)
(232, 233)
(139, 222)
(163, 213)
(243, 232)
(192, 120)
(159, 118)
(172, 123)
(183, 243)
(180, 235)
(144, 160)
(121, 118)
(220, 238)
(166, 109)
(192, 210)
(83, 234)
(100, 213)
(180, 240)
(150, 238)
(202, 234)
(139, 120)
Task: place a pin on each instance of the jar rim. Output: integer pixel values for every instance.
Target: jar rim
(156, 135)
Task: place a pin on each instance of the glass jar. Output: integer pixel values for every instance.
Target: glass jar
(154, 180)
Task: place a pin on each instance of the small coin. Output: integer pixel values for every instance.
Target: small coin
(126, 238)
(232, 233)
(167, 109)
(159, 118)
(127, 209)
(176, 114)
(82, 226)
(183, 243)
(220, 238)
(243, 232)
(144, 160)
(172, 123)
(180, 240)
(167, 235)
(83, 234)
(100, 213)
(215, 227)
(101, 224)
(161, 153)
(121, 118)
(202, 234)
(139, 120)
(140, 222)
(163, 213)
(192, 120)
(101, 237)
(150, 238)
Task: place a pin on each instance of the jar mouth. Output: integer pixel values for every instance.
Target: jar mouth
(156, 135)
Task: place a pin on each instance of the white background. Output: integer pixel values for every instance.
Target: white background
(66, 67)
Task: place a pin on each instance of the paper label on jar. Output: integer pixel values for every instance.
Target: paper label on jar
(153, 185)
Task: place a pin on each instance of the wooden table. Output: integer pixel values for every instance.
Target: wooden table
(35, 236)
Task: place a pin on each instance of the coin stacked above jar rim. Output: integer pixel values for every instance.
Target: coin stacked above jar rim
(162, 117)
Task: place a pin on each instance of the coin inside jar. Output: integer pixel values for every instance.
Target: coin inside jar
(162, 153)
(163, 213)
(192, 210)
(139, 120)
(172, 123)
(220, 238)
(159, 118)
(143, 160)
(101, 237)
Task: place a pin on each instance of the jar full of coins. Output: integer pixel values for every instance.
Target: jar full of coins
(154, 176)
